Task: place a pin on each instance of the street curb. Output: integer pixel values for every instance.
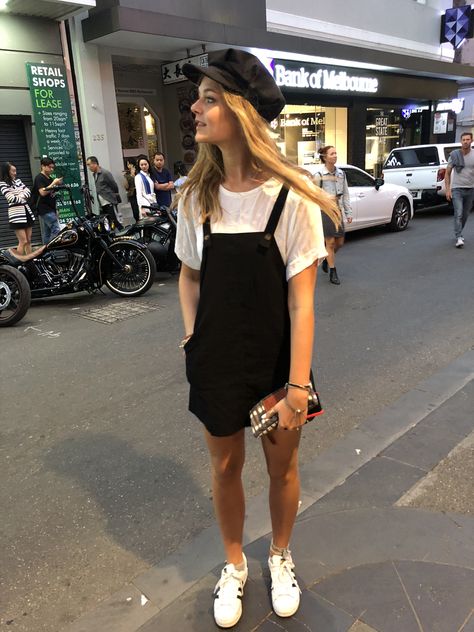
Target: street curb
(155, 589)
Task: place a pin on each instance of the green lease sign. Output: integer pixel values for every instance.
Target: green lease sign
(55, 129)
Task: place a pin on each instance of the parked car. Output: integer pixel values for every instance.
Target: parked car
(375, 202)
(421, 168)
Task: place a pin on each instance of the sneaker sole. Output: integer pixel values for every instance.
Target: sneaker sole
(287, 614)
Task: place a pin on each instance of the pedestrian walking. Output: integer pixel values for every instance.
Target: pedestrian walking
(44, 197)
(107, 190)
(249, 238)
(144, 186)
(333, 180)
(129, 176)
(459, 180)
(20, 216)
(162, 178)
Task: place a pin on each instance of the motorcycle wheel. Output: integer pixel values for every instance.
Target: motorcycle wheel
(136, 274)
(15, 296)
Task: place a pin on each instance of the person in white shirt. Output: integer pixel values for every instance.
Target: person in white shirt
(144, 186)
(249, 237)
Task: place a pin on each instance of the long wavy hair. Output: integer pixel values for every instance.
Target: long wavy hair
(266, 159)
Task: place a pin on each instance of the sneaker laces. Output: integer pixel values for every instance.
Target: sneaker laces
(226, 586)
(286, 577)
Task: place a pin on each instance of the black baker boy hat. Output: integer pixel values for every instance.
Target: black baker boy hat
(244, 74)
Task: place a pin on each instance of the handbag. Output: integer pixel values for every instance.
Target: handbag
(262, 424)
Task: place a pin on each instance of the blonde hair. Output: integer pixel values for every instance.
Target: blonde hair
(208, 173)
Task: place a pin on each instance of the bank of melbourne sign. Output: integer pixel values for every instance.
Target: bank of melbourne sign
(300, 76)
(55, 128)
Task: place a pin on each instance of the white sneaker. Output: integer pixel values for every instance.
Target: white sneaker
(228, 595)
(459, 242)
(285, 589)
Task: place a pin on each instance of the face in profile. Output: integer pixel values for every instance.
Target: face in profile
(215, 122)
(12, 172)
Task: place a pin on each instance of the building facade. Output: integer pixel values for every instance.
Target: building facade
(363, 89)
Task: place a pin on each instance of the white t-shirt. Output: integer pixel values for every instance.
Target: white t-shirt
(299, 234)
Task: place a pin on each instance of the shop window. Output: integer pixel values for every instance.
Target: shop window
(140, 130)
(382, 135)
(131, 128)
(302, 130)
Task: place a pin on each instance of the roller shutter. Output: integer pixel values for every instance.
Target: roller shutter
(13, 147)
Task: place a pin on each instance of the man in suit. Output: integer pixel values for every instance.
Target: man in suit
(107, 190)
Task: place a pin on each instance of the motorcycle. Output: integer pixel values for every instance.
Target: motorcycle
(15, 295)
(83, 256)
(158, 233)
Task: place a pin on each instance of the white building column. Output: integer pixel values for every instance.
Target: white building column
(97, 102)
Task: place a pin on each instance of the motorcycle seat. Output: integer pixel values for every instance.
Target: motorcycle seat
(145, 221)
(17, 258)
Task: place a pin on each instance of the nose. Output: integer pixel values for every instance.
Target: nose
(195, 106)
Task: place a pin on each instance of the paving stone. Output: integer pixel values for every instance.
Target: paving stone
(192, 612)
(373, 594)
(425, 445)
(469, 625)
(349, 538)
(361, 627)
(380, 482)
(443, 596)
(314, 615)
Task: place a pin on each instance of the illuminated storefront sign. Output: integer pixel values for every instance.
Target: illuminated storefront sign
(322, 78)
(456, 105)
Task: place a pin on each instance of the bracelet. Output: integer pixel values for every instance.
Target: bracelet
(184, 341)
(303, 387)
(295, 411)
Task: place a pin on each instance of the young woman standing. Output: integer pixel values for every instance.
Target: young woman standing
(20, 215)
(249, 238)
(144, 186)
(333, 180)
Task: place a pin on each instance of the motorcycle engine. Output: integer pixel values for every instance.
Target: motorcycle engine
(56, 269)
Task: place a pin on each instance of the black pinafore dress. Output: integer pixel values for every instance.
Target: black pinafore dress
(240, 349)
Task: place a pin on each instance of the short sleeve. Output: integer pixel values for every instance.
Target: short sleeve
(186, 241)
(305, 238)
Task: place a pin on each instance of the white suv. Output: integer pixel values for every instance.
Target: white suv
(420, 168)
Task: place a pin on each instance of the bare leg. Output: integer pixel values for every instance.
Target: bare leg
(22, 240)
(338, 243)
(29, 233)
(227, 461)
(330, 247)
(282, 466)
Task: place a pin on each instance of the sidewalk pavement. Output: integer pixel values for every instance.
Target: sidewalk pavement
(384, 541)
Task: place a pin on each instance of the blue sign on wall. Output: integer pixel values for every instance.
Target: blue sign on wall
(457, 25)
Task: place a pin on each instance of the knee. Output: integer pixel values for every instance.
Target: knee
(283, 474)
(227, 469)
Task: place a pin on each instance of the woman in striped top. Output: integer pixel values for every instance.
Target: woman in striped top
(20, 215)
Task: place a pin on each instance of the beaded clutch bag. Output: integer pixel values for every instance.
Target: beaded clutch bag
(261, 423)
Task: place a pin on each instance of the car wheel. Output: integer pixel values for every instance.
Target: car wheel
(400, 215)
